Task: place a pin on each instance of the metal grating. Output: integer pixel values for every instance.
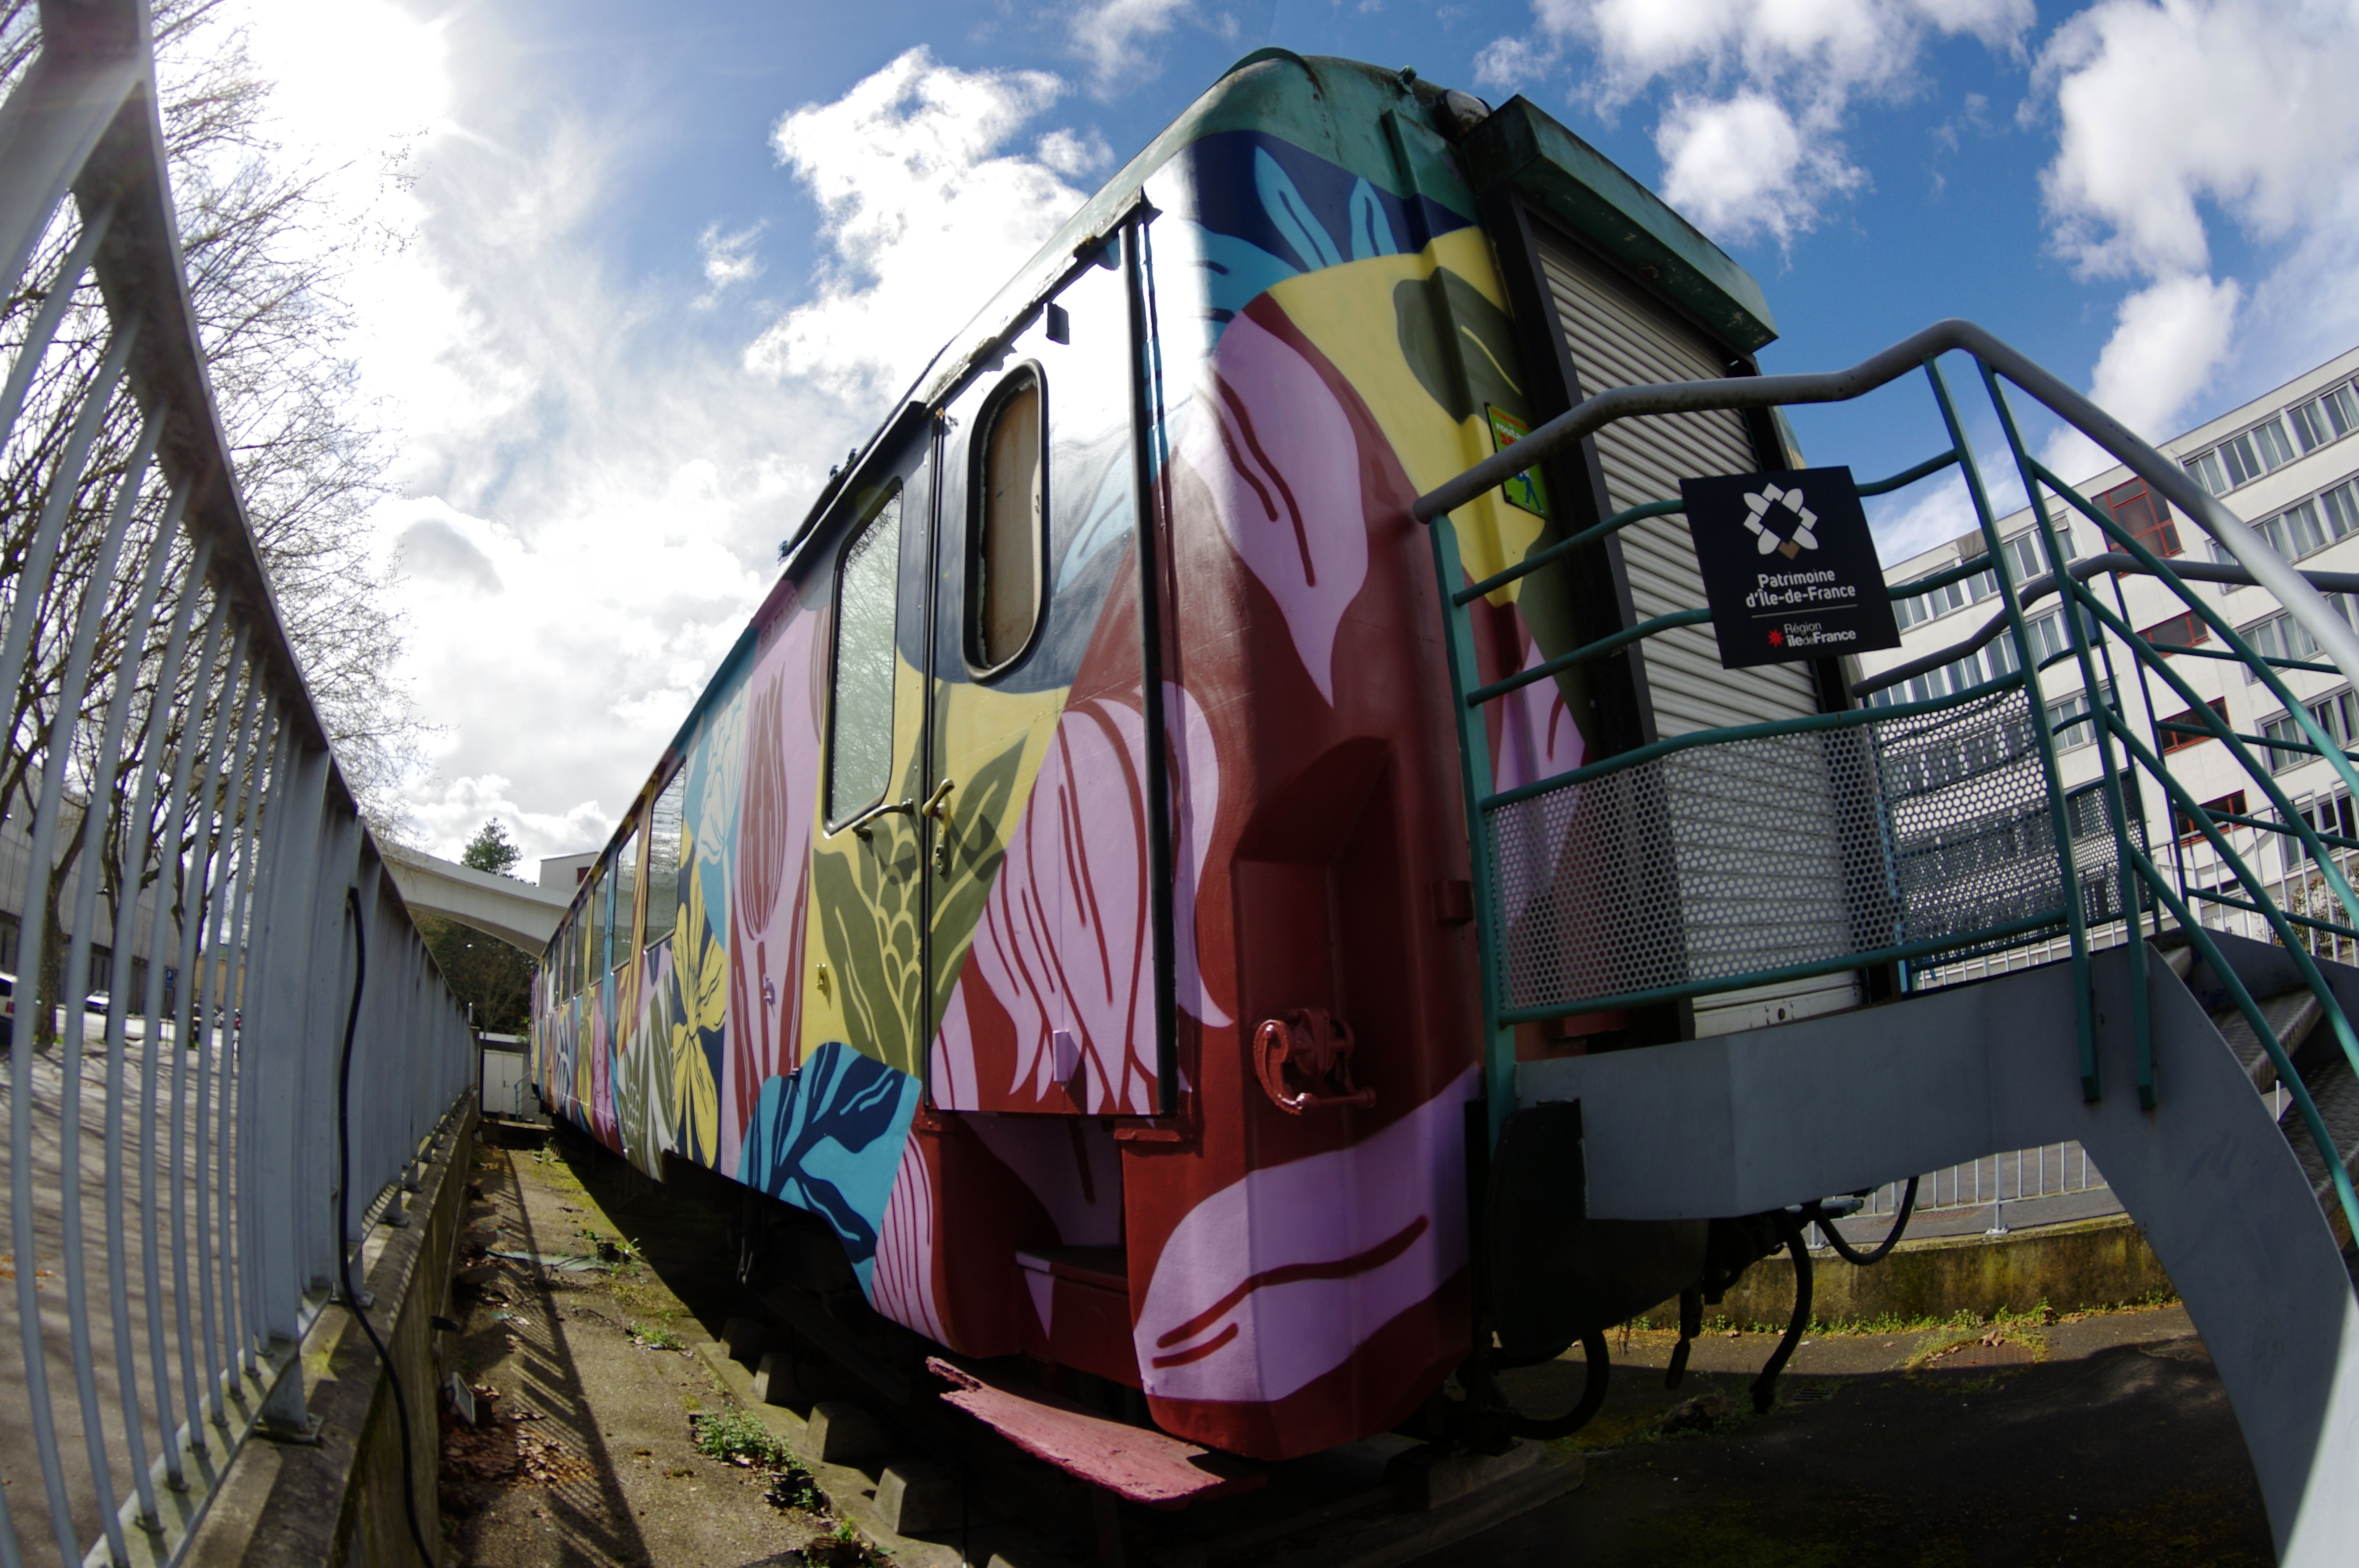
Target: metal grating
(1709, 868)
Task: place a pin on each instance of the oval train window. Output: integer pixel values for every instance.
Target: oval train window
(1003, 559)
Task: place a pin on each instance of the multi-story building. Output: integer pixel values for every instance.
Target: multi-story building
(2288, 464)
(21, 891)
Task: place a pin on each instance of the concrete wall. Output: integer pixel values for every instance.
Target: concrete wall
(2094, 1263)
(340, 1501)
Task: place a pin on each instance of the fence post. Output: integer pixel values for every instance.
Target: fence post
(276, 1044)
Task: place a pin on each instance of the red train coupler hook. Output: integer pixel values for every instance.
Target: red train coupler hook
(1313, 1048)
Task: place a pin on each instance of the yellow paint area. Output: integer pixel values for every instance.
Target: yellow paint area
(978, 725)
(1347, 311)
(976, 730)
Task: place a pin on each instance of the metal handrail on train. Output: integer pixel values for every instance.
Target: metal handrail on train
(2142, 885)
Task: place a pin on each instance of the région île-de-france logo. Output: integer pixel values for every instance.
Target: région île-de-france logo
(1766, 538)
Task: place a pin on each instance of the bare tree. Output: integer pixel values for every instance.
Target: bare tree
(264, 261)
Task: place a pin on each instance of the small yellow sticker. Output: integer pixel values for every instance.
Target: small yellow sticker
(1525, 491)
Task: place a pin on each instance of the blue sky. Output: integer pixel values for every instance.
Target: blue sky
(661, 265)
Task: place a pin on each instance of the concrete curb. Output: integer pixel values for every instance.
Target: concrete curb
(850, 1490)
(340, 1498)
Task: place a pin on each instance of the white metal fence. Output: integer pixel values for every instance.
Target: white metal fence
(2022, 1176)
(174, 1205)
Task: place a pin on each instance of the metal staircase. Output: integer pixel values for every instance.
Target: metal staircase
(2214, 1078)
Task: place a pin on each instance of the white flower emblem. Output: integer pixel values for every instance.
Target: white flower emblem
(1766, 538)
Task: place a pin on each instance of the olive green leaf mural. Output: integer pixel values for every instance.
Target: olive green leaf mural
(869, 897)
(1461, 347)
(868, 893)
(700, 980)
(971, 848)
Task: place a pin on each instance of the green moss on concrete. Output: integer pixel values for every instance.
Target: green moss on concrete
(2079, 1267)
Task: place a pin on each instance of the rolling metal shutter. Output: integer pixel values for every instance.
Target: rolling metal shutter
(1618, 338)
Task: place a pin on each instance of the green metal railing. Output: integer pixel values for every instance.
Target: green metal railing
(1899, 833)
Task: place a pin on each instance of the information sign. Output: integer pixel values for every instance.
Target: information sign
(1789, 565)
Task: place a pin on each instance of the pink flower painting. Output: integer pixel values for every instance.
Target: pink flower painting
(1277, 1278)
(1064, 949)
(777, 804)
(1279, 456)
(901, 1285)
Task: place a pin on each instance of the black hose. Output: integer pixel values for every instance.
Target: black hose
(1592, 1397)
(1690, 1325)
(1900, 1223)
(1764, 1387)
(343, 1252)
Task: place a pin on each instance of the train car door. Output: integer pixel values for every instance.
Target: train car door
(868, 862)
(1042, 958)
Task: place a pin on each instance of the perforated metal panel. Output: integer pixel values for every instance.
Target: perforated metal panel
(1729, 861)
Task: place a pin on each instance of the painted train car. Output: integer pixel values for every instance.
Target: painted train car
(1059, 900)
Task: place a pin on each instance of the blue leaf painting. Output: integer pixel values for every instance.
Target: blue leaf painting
(827, 1138)
(1291, 216)
(1371, 227)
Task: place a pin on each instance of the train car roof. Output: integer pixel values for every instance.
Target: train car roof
(1337, 109)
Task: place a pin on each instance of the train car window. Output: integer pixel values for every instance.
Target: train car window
(594, 948)
(1009, 540)
(860, 708)
(626, 899)
(663, 858)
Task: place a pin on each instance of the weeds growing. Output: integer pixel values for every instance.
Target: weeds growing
(737, 1437)
(654, 1336)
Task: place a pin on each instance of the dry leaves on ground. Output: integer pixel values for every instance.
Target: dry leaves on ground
(507, 1452)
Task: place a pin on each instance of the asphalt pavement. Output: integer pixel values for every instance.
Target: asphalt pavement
(2104, 1440)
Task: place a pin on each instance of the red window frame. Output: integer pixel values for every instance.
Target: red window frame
(2181, 741)
(2185, 630)
(2144, 516)
(2232, 804)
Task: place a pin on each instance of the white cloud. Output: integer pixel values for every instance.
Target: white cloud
(469, 803)
(729, 259)
(926, 216)
(351, 77)
(1511, 64)
(1070, 154)
(1807, 47)
(1116, 38)
(1743, 169)
(2164, 107)
(2173, 117)
(1788, 71)
(593, 497)
(2169, 338)
(2170, 334)
(1920, 519)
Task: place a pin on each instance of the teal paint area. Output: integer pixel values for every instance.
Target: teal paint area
(827, 1138)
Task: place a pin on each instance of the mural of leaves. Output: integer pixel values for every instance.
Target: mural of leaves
(868, 896)
(700, 973)
(974, 845)
(828, 1138)
(633, 1102)
(657, 1059)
